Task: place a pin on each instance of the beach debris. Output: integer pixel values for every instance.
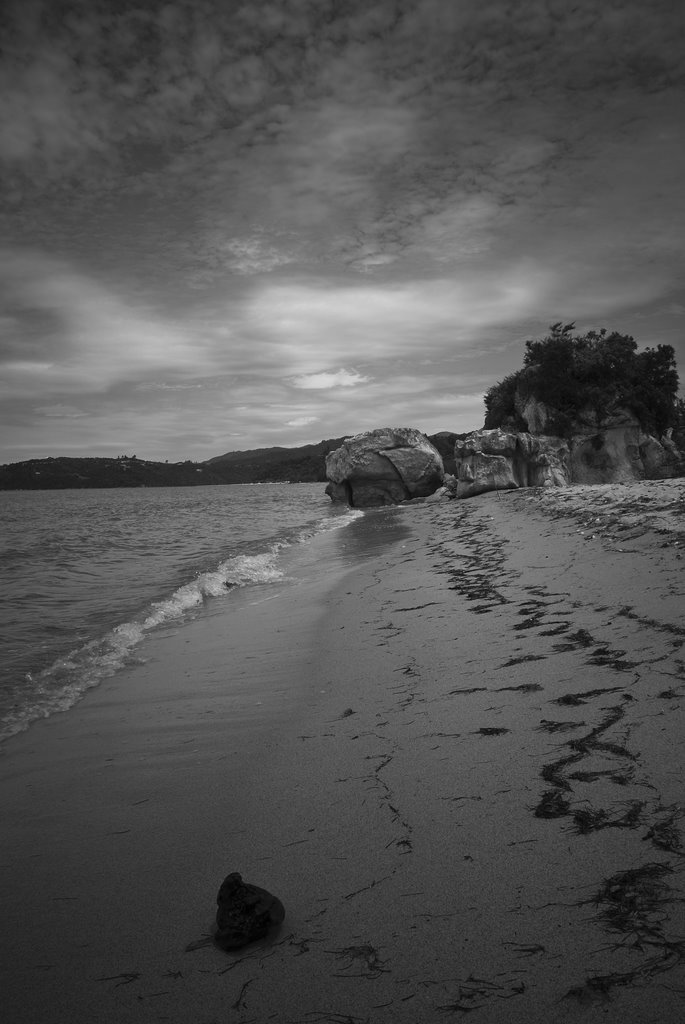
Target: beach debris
(619, 778)
(632, 900)
(570, 700)
(521, 660)
(553, 804)
(522, 688)
(239, 1004)
(525, 950)
(366, 888)
(588, 819)
(122, 979)
(665, 834)
(573, 699)
(245, 912)
(595, 990)
(546, 725)
(635, 904)
(474, 993)
(364, 958)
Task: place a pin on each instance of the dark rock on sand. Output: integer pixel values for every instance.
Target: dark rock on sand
(245, 912)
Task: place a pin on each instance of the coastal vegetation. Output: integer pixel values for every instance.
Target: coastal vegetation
(598, 372)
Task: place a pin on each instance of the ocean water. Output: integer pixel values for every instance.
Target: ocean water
(88, 574)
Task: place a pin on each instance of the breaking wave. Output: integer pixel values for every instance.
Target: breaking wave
(62, 683)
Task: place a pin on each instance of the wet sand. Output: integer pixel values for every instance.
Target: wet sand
(457, 760)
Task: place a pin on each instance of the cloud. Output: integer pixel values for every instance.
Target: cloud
(301, 421)
(253, 255)
(163, 386)
(372, 138)
(69, 333)
(318, 326)
(69, 412)
(325, 381)
(323, 212)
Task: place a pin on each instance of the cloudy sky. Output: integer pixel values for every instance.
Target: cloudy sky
(229, 225)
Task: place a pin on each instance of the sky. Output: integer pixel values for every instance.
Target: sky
(232, 225)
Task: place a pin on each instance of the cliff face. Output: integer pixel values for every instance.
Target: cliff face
(539, 418)
(620, 452)
(609, 447)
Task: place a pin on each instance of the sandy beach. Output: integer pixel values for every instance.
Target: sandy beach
(456, 757)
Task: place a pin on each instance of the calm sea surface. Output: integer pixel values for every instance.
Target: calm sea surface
(87, 574)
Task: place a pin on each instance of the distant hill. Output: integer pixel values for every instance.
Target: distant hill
(306, 464)
(302, 465)
(298, 465)
(60, 473)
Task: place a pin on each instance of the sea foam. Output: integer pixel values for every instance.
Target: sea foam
(59, 686)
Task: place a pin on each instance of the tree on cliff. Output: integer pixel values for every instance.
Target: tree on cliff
(596, 371)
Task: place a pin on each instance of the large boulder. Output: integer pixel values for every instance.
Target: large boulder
(383, 467)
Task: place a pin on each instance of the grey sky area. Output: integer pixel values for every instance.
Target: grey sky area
(243, 224)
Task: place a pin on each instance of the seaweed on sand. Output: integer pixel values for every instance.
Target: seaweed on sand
(548, 726)
(474, 993)
(582, 638)
(614, 659)
(633, 905)
(570, 700)
(556, 771)
(364, 957)
(620, 778)
(665, 834)
(553, 804)
(630, 900)
(573, 699)
(587, 819)
(522, 688)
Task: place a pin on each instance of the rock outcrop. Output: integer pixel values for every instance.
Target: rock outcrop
(611, 447)
(497, 460)
(444, 441)
(489, 460)
(384, 467)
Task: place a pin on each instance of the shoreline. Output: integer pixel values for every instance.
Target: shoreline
(462, 780)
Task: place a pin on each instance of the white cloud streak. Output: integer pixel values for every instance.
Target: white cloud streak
(90, 338)
(327, 380)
